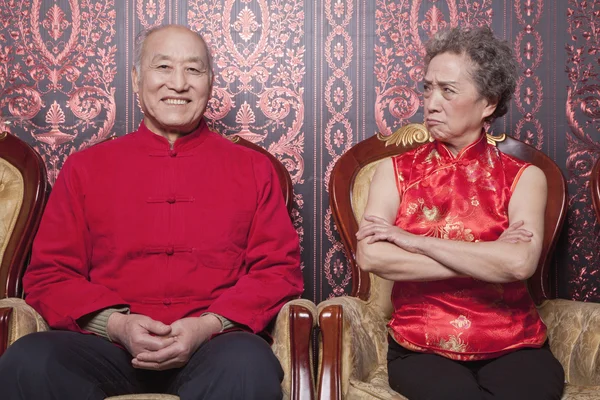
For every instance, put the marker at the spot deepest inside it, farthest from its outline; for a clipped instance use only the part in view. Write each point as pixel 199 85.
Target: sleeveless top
pixel 463 197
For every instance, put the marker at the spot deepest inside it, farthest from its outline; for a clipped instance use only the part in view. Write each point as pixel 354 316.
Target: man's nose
pixel 178 80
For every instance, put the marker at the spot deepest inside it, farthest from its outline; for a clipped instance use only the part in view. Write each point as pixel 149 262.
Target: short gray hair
pixel 494 66
pixel 140 41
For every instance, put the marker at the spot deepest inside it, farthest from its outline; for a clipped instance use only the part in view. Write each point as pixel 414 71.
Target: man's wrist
pixel 97 322
pixel 213 322
pixel 113 324
pixel 226 323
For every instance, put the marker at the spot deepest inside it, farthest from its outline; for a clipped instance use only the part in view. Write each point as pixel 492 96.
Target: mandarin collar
pixel 470 151
pixel 157 142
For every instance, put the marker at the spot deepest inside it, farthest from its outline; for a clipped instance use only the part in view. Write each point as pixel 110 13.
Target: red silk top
pixel 460 198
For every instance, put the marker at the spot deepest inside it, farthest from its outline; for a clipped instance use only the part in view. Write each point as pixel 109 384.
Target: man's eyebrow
pixel 195 59
pixel 164 57
pixel 160 57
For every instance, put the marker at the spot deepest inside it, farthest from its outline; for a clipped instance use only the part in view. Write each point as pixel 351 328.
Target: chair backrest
pixel 595 184
pixel 23 193
pixel 349 185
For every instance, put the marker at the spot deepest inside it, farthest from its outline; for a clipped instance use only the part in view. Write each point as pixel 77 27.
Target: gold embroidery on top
pixel 457 231
pixel 461 322
pixel 490 159
pixel 431 214
pixel 428 214
pixel 433 155
pixel 440 225
pixel 400 176
pixel 454 343
pixel 488 185
pixel 474 172
pixel 474 201
pixel 412 208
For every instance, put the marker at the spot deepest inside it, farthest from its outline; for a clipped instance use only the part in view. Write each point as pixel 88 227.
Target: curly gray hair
pixel 140 40
pixel 494 67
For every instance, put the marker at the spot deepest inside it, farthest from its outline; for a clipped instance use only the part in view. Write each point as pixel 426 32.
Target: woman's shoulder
pixel 409 156
pixel 512 165
pixel 518 170
pixel 510 159
pixel 533 172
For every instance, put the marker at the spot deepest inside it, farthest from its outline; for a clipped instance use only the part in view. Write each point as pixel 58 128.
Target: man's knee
pixel 47 353
pixel 33 353
pixel 236 365
pixel 245 353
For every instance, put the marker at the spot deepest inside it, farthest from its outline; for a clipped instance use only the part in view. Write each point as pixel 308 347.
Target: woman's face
pixel 454 110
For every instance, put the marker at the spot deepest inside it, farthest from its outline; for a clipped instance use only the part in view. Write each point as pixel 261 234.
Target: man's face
pixel 174 82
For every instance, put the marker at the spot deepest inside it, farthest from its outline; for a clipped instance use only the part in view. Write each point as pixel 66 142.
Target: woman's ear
pixel 489 108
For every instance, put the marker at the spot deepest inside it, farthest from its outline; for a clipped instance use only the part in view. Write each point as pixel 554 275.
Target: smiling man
pixel 173 78
pixel 161 256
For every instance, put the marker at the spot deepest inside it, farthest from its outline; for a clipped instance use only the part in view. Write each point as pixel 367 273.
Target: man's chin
pixel 179 126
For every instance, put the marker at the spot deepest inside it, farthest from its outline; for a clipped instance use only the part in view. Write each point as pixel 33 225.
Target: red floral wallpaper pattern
pixel 307 80
pixel 582 146
pixel 58 67
pixel 339 129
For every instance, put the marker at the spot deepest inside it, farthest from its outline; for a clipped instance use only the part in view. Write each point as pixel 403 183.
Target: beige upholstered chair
pixel 353 339
pixel 22 198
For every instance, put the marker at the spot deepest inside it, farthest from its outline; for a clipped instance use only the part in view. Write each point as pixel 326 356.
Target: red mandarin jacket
pixel 169 232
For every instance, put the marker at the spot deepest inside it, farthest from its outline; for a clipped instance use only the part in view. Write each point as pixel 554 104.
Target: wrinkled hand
pixel 138 333
pixel 515 233
pixel 187 335
pixel 379 230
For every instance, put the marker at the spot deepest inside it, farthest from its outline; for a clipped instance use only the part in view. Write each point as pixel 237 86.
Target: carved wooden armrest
pixel 353 339
pixel 292 344
pixel 17 319
pixel 574 334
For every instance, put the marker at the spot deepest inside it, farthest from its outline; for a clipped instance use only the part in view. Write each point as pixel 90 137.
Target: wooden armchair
pixel 353 338
pixel 23 194
pixel 22 198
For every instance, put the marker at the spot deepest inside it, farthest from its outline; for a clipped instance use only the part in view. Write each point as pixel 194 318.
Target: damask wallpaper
pixel 307 80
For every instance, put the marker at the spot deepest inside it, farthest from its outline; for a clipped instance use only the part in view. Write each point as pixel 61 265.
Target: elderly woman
pixel 458 226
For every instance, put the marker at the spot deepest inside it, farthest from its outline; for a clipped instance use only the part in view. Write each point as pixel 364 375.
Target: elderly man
pixel 161 254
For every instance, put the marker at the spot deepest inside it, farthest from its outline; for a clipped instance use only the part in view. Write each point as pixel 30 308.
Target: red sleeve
pixel 272 256
pixel 57 282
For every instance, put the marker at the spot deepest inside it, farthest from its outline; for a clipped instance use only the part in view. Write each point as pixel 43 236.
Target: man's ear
pixel 134 80
pixel 212 81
